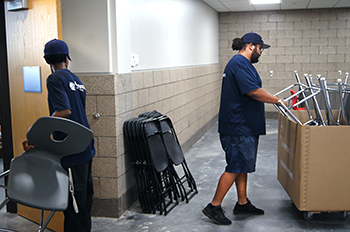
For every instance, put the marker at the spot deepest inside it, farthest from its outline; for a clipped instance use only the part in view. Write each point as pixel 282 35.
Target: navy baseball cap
pixel 56 47
pixel 254 38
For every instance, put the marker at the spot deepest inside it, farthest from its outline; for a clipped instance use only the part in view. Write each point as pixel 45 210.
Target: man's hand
pixel 281 101
pixel 26 145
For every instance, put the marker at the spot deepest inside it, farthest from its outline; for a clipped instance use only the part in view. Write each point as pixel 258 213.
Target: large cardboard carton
pixel 314 164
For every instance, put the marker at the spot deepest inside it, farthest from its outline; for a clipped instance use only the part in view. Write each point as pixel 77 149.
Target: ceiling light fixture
pixel 257 2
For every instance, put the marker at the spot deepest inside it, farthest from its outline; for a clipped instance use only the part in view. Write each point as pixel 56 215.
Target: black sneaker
pixel 216 214
pixel 248 208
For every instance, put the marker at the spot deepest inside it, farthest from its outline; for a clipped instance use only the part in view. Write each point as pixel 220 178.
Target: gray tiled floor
pixel 206 162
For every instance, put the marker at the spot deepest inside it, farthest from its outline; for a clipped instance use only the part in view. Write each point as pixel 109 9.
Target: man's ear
pixel 251 46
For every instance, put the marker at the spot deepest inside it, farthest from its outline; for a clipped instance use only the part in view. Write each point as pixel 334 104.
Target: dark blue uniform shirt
pixel 66 91
pixel 240 114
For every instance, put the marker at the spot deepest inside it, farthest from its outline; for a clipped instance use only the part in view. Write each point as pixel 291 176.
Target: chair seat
pixel 37 180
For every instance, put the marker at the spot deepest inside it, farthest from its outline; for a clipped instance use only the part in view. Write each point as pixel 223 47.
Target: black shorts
pixel 241 152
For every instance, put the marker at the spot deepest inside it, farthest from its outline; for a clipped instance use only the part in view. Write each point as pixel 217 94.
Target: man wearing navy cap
pixel 66 98
pixel 241 121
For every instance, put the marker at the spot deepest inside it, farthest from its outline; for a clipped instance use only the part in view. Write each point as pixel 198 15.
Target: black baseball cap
pixel 56 47
pixel 254 38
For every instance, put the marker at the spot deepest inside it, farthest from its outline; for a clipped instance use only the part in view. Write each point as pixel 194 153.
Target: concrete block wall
pixel 308 41
pixel 190 96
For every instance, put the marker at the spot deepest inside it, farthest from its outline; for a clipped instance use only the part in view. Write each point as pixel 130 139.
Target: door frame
pixel 5 108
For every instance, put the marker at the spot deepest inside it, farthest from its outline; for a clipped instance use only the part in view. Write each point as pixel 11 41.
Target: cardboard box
pixel 314 164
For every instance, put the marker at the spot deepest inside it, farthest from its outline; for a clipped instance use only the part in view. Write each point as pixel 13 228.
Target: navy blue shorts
pixel 241 152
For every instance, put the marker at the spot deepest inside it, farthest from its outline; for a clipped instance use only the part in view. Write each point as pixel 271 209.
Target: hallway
pixel 206 162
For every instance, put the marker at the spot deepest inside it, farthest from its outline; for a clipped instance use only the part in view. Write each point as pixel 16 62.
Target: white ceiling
pixel 244 5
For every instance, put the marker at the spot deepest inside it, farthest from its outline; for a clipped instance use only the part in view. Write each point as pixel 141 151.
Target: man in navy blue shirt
pixel 241 121
pixel 66 99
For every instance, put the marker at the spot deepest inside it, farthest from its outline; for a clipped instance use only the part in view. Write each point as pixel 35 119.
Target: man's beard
pixel 255 56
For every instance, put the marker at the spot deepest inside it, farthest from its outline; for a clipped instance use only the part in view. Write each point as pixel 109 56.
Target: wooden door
pixel 27 31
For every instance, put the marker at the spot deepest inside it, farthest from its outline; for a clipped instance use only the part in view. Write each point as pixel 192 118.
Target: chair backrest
pixel 40 135
pixel 171 145
pixel 155 145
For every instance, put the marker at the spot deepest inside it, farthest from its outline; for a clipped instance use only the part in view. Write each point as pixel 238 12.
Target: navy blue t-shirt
pixel 66 91
pixel 240 114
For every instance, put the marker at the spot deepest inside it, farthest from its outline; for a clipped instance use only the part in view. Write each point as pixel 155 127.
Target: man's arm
pixel 263 96
pixel 62 113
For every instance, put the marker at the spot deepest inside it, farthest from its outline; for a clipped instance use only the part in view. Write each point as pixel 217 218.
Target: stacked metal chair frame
pixel 307 95
pixel 151 141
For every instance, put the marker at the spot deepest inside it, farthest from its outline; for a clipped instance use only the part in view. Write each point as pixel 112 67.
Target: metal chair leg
pixel 43 227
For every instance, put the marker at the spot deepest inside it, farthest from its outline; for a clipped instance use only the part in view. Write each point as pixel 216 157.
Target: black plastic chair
pixel 36 177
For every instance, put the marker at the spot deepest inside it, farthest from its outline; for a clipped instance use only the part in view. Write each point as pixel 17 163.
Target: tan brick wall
pixel 309 41
pixel 189 96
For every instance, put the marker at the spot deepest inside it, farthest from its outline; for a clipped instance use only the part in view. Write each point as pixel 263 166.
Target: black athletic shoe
pixel 216 214
pixel 248 208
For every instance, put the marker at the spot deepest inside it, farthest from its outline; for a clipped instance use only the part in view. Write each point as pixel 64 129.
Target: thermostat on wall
pixel 134 60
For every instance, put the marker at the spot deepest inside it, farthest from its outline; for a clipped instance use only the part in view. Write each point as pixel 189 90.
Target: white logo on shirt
pixel 224 75
pixel 74 86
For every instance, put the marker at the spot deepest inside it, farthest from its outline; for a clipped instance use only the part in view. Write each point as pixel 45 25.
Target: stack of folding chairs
pixel 156 156
pixel 320 100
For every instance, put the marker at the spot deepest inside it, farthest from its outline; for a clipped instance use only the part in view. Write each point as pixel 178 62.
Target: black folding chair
pixel 151 141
